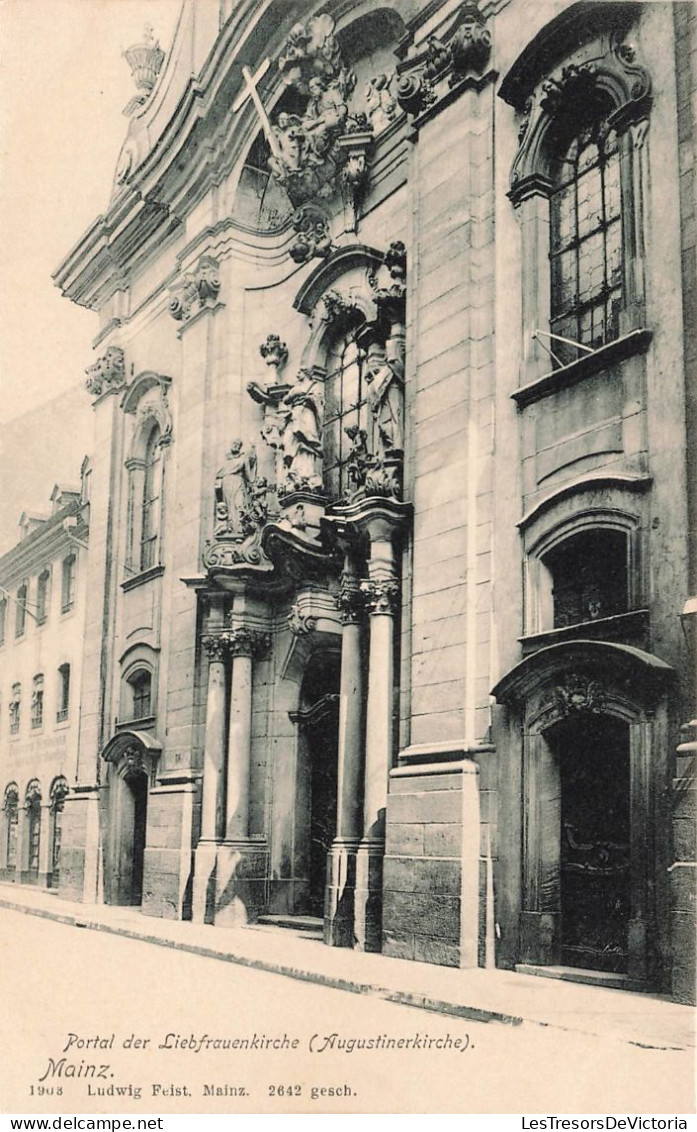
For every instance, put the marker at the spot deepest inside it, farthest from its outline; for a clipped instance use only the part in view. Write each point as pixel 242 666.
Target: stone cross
pixel 250 91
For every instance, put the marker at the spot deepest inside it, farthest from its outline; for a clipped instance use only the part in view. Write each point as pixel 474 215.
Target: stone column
pixel 212 802
pixel 381 593
pixel 341 865
pixel 243 644
pixel 241 862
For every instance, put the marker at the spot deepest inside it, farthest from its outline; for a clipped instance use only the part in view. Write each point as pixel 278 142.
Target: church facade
pixel 388 622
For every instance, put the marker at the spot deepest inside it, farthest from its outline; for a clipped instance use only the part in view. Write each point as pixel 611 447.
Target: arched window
pixel 150 525
pixel 42 595
pixel 63 693
pixel 33 808
pixel 585 238
pixel 11 814
pixel 59 790
pixel 589 575
pixel 140 682
pixel 69 571
pixel 15 708
pixel 3 618
pixel 37 701
pixel 345 408
pixel 21 609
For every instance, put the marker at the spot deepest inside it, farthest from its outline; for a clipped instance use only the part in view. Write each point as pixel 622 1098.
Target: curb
pixel 404 998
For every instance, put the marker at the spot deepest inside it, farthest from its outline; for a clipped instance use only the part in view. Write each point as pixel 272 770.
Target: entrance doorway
pixel 128 803
pixel 592 753
pixel 319 734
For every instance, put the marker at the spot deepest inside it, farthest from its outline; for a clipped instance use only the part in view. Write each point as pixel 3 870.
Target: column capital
pixel 215 646
pixel 350 600
pixel 243 641
pixel 381 595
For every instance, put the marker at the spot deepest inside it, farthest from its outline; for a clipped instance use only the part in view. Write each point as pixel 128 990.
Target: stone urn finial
pixel 145 60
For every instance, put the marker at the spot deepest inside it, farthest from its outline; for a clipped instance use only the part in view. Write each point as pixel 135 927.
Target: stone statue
pixel 324 118
pixel 384 377
pixel 301 412
pixel 234 490
pixel 382 108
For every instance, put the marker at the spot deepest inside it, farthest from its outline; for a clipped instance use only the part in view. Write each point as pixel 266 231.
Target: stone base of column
pixel 340 896
pixel 368 895
pixel 240 883
pixel 203 898
pixel 539 938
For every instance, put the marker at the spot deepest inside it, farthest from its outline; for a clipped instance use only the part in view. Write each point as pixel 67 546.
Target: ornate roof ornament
pixel 463 52
pixel 145 60
pixel 108 372
pixel 274 352
pixel 195 290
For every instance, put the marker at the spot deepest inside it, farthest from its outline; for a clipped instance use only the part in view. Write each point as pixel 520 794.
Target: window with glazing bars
pixel 68 583
pixel 586 242
pixel 151 502
pixel 344 406
pixel 37 702
pixel 63 693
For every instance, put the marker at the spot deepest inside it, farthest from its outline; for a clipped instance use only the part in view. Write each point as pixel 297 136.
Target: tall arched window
pixel 3 617
pixel 59 790
pixel 37 701
pixel 586 239
pixel 140 682
pixel 63 693
pixel 345 408
pixel 33 808
pixel 21 609
pixel 68 576
pixel 42 594
pixel 15 707
pixel 150 526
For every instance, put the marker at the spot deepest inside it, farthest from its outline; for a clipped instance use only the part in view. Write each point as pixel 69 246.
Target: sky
pixel 63 86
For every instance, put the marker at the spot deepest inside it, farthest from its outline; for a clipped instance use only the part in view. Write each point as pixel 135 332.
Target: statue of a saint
pixel 301 412
pixel 234 489
pixel 323 119
pixel 384 377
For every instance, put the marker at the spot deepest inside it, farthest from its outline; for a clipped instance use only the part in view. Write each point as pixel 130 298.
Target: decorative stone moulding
pixel 613 75
pixel 241 640
pixel 579 694
pixel 196 290
pixel 145 60
pixel 300 621
pixel 311 225
pixel 462 52
pixel 274 352
pixel 108 372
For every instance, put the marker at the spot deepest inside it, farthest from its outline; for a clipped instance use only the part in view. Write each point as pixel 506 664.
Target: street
pixel 95 1023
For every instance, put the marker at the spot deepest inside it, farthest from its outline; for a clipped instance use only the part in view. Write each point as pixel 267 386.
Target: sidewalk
pixel 482 995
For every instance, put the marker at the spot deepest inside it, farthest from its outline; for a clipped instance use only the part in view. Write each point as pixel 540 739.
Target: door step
pixel 310 927
pixel 607 979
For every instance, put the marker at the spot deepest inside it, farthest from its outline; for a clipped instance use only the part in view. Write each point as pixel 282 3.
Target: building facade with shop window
pixel 42 605
pixel 389 622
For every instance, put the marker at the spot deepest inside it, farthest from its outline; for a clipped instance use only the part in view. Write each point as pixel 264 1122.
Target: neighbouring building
pixel 42 606
pixel 389 616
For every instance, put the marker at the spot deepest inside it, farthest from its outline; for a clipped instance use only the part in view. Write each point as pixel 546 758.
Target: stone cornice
pixel 188 159
pixel 41 547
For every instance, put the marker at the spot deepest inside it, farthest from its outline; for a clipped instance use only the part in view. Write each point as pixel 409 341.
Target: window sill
pixel 144 723
pixel 142 578
pixel 636 342
pixel 621 627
